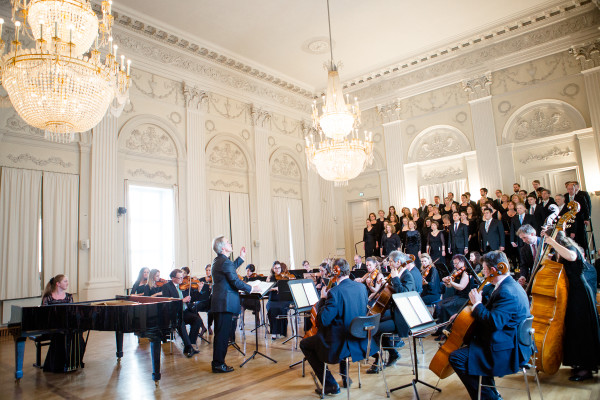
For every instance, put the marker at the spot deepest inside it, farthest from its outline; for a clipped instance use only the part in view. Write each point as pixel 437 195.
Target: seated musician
pixel 494 349
pixel 416 274
pixel 65 352
pixel 458 285
pixel 323 274
pixel 332 343
pixel 152 289
pixel 208 279
pixel 391 320
pixel 431 284
pixel 191 318
pixel 276 307
pixel 372 278
pixel 250 304
pixel 528 252
pixel 141 281
pixel 306 266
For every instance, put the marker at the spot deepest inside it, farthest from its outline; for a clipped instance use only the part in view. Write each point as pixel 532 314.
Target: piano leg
pixel 119 336
pixel 19 353
pixel 155 353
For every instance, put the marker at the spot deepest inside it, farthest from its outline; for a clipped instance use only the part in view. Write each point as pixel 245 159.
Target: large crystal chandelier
pixel 61 85
pixel 337 154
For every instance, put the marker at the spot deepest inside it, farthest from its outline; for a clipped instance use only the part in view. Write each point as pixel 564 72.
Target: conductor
pixel 225 301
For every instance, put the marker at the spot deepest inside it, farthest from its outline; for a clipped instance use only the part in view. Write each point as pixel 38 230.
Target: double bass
pixel 335 273
pixel 461 330
pixel 549 291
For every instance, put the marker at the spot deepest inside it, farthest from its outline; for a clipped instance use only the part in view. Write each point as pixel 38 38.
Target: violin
pixel 373 275
pixel 457 273
pixel 161 282
pixel 189 281
pixel 255 275
pixel 284 276
pixel 426 272
pixel 313 312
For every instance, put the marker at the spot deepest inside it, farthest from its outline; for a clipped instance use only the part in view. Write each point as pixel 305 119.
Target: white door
pixel 359 212
pixel 553 179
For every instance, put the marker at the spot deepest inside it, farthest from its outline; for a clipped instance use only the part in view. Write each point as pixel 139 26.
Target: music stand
pixel 305 296
pixel 358 273
pixel 420 324
pixel 256 296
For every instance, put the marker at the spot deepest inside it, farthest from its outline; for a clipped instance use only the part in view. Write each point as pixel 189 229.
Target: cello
pixel 385 293
pixel 461 331
pixel 549 291
pixel 314 311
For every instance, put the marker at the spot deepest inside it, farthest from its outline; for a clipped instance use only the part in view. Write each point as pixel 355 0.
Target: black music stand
pixel 421 324
pixel 358 273
pixel 304 295
pixel 255 296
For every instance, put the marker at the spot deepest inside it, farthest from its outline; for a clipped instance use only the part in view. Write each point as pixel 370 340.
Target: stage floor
pixel 104 378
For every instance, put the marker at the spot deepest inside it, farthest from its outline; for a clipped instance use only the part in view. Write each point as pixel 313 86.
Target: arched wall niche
pixel 228 164
pixel 542 118
pixel 438 141
pixel 150 136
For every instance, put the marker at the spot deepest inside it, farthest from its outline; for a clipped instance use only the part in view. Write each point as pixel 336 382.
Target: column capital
pixel 194 97
pixel 478 87
pixel 260 117
pixel 588 54
pixel 389 112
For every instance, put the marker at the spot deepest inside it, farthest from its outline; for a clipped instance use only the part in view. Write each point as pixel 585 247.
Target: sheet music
pixel 311 293
pixel 300 296
pixel 264 287
pixel 421 310
pixel 408 312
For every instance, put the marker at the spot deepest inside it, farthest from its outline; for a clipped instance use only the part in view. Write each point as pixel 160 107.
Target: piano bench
pixel 40 341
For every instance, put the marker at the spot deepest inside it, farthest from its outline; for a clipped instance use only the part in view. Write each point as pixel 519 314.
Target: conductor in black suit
pixel 190 317
pixel 225 301
pixel 491 233
pixel 529 252
pixel 459 236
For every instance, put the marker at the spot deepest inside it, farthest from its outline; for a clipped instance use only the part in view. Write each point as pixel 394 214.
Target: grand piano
pixel 150 317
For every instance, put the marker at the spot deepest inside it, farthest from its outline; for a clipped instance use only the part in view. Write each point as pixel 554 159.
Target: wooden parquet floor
pixel 182 378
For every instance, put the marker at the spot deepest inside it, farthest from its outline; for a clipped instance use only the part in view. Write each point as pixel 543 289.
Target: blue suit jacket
pixel 344 302
pixel 226 284
pixel 495 349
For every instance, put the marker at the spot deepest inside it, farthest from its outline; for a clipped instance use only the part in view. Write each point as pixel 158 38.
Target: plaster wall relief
pixel 155 87
pixel 151 141
pixel 148 171
pixel 230 109
pixel 21 154
pixel 227 165
pixel 534 72
pixel 540 119
pixel 443 173
pixel 547 156
pixel 286 174
pixel 284 166
pixel 14 123
pixel 226 155
pixel 438 141
pixel 227 181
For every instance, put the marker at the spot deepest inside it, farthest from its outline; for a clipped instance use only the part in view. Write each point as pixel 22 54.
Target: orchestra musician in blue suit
pixel 333 343
pixel 495 349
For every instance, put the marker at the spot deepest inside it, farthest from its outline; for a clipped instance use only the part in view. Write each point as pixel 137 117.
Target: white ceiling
pixel 368 35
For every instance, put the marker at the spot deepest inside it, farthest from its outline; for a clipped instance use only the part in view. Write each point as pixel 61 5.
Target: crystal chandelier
pixel 61 85
pixel 339 154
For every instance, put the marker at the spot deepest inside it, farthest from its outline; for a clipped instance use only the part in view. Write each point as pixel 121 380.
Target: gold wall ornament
pixel 61 85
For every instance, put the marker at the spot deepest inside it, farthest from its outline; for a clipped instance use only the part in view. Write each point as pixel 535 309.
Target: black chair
pixel 525 334
pixel 360 328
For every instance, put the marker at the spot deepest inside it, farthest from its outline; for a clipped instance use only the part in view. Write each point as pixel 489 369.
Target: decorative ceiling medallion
pixel 317 45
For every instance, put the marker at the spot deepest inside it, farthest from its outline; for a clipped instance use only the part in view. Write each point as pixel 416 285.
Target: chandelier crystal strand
pixel 61 86
pixel 338 155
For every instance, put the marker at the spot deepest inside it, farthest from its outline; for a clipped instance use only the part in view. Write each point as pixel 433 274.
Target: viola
pixel 335 273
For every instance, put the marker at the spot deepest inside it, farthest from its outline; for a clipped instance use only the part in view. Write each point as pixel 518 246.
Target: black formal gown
pixel 390 244
pixel 425 231
pixel 473 234
pixel 436 243
pixel 277 308
pixel 370 239
pixel 65 352
pixel 450 305
pixel 511 252
pixel 412 245
pixel 581 342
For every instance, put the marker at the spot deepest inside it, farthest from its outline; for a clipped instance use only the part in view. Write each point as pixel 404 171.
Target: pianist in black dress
pixel 141 281
pixel 66 350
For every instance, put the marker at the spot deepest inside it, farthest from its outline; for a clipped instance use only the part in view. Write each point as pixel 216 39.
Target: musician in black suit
pixel 562 210
pixel 546 201
pixel 423 210
pixel 358 264
pixel 458 236
pixel 484 195
pixel 519 219
pixel 225 302
pixel 529 252
pixel 495 349
pixel 491 232
pixel 536 211
pixel 191 318
pixel 536 185
pixel 333 343
pixel 392 321
pixel 582 218
pixel 497 203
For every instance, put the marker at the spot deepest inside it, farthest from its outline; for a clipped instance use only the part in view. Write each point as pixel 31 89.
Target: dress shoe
pixel 392 360
pixel 188 352
pixel 329 390
pixel 223 368
pixel 344 385
pixel 374 369
pixel 581 377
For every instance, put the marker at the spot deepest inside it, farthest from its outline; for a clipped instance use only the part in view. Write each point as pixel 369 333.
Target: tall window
pixel 151 213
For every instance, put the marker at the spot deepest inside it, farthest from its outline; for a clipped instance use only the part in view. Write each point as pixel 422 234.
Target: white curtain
pixel 20 192
pixel 60 209
pixel 226 205
pixel 240 224
pixel 457 187
pixel 288 247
